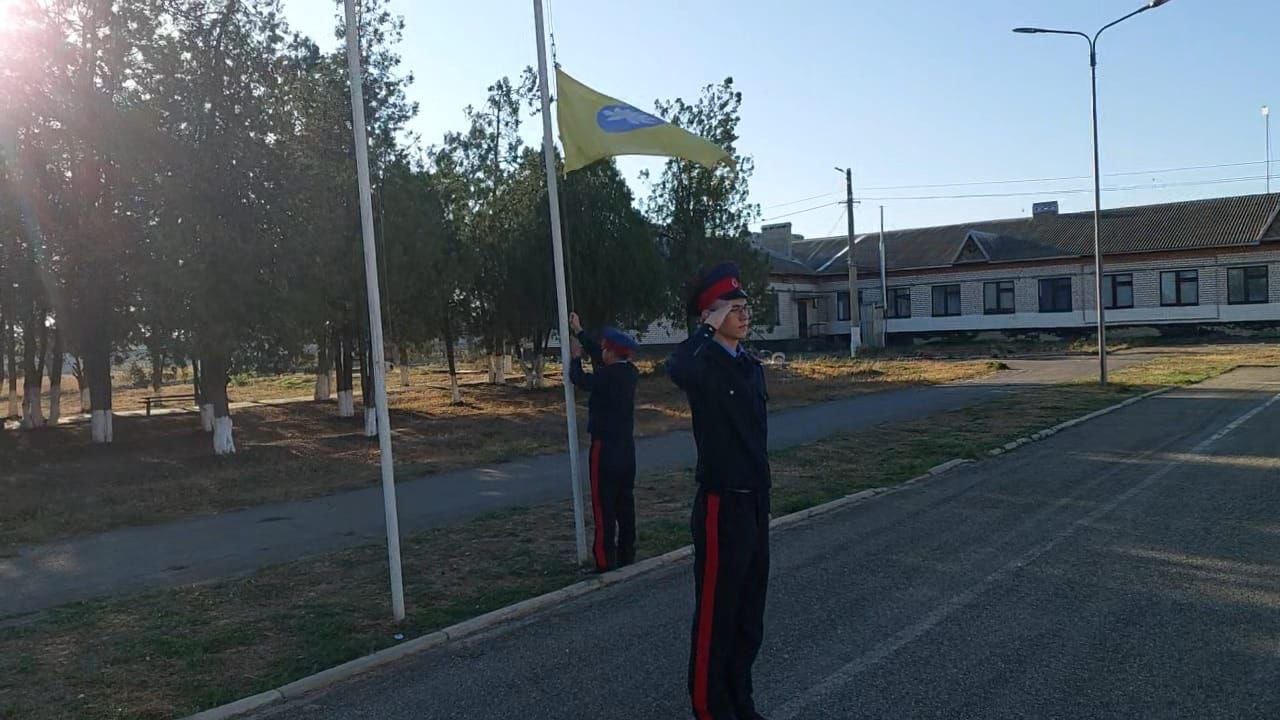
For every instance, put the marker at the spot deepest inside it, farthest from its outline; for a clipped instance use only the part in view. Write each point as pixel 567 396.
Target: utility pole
pixel 884 289
pixel 855 311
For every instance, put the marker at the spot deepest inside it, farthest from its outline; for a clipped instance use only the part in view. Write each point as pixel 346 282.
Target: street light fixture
pixel 1097 178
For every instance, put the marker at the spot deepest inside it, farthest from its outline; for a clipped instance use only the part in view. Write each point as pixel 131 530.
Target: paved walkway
pixel 1126 568
pixel 206 548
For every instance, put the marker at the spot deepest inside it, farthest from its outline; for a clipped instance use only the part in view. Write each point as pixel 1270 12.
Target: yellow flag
pixel 595 126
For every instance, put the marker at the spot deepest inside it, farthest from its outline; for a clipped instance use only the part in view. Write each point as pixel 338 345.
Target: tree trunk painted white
pixel 206 417
pixel 55 402
pixel 370 422
pixel 346 403
pixel 533 372
pixel 223 444
pixel 322 387
pixel 100 426
pixel 404 375
pixel 455 391
pixel 85 406
pixel 32 411
pixel 97 372
pixel 495 378
pixel 507 365
pixel 13 403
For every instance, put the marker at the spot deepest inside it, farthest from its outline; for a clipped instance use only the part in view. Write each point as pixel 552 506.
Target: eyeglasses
pixel 742 311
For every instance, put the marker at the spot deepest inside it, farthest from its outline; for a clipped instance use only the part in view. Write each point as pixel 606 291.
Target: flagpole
pixel 557 242
pixel 375 313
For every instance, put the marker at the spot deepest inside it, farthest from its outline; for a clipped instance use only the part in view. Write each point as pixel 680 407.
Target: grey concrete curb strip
pixel 239 706
pixel 525 608
pixel 939 469
pixel 1049 432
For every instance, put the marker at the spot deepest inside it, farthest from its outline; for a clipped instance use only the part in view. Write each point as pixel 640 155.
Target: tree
pixel 426 269
pixel 474 167
pixel 218 83
pixel 79 137
pixel 615 267
pixel 703 215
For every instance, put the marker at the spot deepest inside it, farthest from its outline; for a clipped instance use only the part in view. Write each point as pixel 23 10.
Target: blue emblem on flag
pixel 625 118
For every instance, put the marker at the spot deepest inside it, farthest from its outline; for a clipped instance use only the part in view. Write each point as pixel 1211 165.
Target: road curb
pixel 525 608
pixel 1050 432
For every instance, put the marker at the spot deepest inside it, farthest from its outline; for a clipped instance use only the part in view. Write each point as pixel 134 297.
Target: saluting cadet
pixel 725 386
pixel 611 422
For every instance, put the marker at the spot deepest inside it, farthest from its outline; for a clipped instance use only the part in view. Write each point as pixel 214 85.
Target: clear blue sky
pixel 908 93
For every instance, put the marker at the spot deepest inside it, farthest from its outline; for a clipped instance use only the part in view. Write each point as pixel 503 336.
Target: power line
pixel 800 212
pixel 843 209
pixel 1185 168
pixel 797 202
pixel 1031 194
pixel 1070 191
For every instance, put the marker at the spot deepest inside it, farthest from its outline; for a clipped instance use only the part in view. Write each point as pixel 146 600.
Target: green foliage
pixel 703 215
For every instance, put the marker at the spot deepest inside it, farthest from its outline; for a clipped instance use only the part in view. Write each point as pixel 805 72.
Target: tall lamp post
pixel 1097 178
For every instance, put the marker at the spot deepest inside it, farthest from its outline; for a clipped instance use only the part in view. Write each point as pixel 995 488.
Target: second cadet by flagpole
pixel 594 126
pixel 557 242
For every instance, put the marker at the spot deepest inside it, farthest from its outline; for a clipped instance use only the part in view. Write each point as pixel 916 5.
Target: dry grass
pixel 173 652
pixel 1195 365
pixel 56 484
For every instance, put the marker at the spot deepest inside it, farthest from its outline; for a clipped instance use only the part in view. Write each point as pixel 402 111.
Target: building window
pixel 1055 295
pixel 1247 285
pixel 842 306
pixel 1117 291
pixel 1180 287
pixel 946 300
pixel 899 303
pixel 997 297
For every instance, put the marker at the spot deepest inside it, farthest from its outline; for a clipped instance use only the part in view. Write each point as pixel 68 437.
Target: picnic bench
pixel 162 399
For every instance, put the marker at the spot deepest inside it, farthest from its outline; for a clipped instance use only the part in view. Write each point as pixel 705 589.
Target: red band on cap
pixel 616 349
pixel 713 293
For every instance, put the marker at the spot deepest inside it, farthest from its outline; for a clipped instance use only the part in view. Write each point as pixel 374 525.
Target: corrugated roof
pixel 1190 225
pixel 787 266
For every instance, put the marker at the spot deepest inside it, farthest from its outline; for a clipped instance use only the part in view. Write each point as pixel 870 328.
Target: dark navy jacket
pixel 611 408
pixel 729 402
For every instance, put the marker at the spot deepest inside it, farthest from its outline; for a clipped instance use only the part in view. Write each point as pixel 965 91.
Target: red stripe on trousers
pixel 706 613
pixel 602 562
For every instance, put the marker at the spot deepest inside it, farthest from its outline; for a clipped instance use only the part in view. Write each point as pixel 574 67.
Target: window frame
pixel 946 300
pixel 1001 288
pixel 1244 270
pixel 895 296
pixel 844 311
pixel 1060 280
pixel 1110 299
pixel 1178 283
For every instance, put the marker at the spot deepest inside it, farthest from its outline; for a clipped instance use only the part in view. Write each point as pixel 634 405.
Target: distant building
pixel 1213 263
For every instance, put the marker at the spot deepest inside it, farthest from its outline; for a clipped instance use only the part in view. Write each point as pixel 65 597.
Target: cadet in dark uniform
pixel 611 422
pixel 730 522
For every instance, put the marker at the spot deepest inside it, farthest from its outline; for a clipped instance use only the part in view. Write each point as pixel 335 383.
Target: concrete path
pixel 1126 568
pixel 206 548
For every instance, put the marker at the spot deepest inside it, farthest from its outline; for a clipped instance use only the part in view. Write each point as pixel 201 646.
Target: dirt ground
pixel 55 483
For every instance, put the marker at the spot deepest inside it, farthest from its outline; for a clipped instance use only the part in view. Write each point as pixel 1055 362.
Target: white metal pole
pixel 375 314
pixel 557 243
pixel 884 288
pixel 1266 121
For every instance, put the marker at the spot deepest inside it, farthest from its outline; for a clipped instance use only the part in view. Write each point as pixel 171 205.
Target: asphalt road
pixel 205 548
pixel 1126 568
